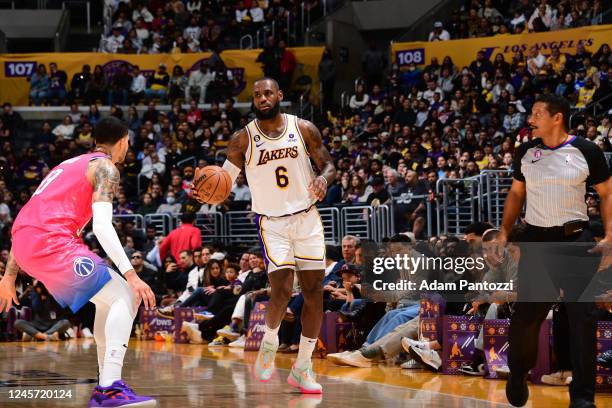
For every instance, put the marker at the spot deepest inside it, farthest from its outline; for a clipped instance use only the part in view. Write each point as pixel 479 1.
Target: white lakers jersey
pixel 278 170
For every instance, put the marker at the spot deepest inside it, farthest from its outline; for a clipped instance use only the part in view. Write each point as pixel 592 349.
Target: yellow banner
pixel 463 52
pixel 15 69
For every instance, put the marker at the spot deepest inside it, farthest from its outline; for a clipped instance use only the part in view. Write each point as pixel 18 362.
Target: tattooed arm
pixel 105 180
pixel 104 177
pixel 237 147
pixel 320 155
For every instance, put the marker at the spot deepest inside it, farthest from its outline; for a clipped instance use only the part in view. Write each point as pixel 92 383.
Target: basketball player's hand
pixel 8 294
pixel 194 193
pixel 142 291
pixel 318 188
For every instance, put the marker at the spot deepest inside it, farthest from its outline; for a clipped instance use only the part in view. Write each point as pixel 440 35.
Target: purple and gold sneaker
pixel 118 394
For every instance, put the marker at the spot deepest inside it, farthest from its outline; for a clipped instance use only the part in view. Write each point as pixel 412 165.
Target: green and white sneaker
pixel 303 379
pixel 264 365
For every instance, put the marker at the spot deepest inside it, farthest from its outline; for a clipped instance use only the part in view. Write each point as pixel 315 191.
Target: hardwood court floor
pixel 183 375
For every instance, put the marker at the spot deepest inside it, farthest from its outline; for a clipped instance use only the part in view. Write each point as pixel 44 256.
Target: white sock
pixel 113 363
pixel 271 336
pixel 307 346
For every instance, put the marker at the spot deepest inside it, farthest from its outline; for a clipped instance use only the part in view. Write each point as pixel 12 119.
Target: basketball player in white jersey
pixel 276 149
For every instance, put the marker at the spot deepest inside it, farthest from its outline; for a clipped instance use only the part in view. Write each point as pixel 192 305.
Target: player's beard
pixel 270 114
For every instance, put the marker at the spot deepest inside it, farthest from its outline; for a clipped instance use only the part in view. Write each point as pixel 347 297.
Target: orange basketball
pixel 212 184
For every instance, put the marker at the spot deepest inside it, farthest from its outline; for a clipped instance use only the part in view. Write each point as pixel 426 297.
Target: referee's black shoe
pixel 517 391
pixel 582 404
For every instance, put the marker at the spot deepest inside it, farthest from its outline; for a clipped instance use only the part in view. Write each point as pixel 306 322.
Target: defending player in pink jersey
pixel 47 245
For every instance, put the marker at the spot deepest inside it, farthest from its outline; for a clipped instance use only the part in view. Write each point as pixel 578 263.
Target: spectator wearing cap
pixel 351 291
pixel 379 194
pixel 158 85
pixel 337 149
pixel 439 33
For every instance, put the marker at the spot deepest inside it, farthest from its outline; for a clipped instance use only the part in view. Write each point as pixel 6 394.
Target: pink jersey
pixel 62 202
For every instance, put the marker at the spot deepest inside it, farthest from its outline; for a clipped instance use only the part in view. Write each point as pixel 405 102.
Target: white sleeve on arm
pixel 232 169
pixel 107 236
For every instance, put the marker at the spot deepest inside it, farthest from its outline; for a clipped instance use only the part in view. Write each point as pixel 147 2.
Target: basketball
pixel 212 184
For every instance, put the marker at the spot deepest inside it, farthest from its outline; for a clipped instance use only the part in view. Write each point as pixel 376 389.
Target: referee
pixel 552 172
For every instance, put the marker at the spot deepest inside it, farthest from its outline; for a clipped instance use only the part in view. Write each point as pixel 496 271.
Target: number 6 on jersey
pixel 281 177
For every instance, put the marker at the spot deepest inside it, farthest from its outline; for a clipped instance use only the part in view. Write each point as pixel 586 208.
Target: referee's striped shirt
pixel 556 179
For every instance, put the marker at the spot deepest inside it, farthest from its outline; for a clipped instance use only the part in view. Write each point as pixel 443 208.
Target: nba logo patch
pixel 537 154
pixel 83 266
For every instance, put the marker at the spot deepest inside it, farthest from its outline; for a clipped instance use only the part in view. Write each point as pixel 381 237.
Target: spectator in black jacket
pixel 481 64
pixel 47 324
pixel 79 83
pixel 118 91
pixel 148 274
pixel 12 120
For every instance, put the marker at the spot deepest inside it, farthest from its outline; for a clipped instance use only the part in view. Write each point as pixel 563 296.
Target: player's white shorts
pixel 293 242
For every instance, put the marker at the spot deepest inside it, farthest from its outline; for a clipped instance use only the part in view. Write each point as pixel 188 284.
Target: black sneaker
pixel 580 403
pixel 517 391
pixel 473 369
pixel 476 366
pixel 605 359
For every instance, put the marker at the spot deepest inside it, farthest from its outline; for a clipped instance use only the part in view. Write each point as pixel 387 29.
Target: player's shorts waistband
pixel 305 210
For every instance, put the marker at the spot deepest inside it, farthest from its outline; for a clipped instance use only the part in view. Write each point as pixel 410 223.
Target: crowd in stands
pixel 210 81
pixel 154 26
pixel 485 18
